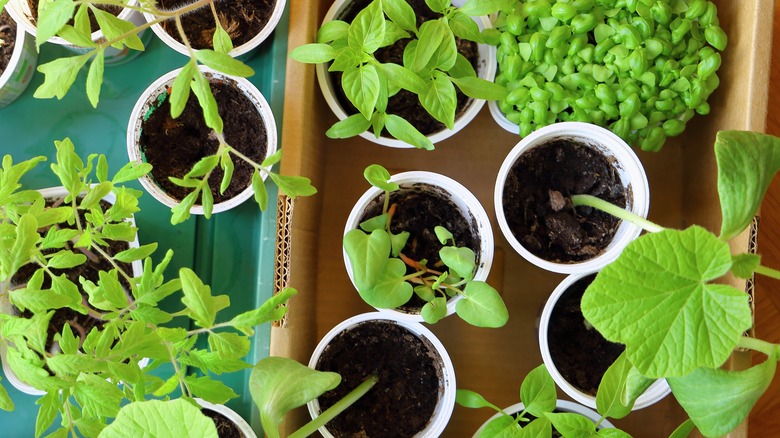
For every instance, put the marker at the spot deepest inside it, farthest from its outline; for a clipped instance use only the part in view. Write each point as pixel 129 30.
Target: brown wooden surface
pixel 764 420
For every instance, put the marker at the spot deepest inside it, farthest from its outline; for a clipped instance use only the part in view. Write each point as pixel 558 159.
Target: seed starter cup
pixel 231 415
pixel 20 69
pixel 564 406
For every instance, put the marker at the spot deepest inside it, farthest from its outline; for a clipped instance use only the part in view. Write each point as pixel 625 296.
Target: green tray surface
pixel 234 251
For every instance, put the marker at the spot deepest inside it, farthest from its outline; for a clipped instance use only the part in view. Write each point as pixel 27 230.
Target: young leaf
pixel 379 177
pixel 95 194
pixel 202 305
pixel 130 172
pixel 95 78
pixel 97 396
pixel 361 85
pixel 351 126
pixel 614 433
pixel 744 265
pixel 258 187
pixel 683 430
pixel 375 223
pixel 59 75
pixel 181 212
pixel 226 163
pixel 331 31
pixel 221 41
pixel 718 400
pixel 293 185
pixel 479 88
pixel 348 58
pixel 76 37
pixel 424 292
pixel 47 412
pixel 505 426
pixel 438 5
pixel 133 254
pixel 440 99
pixel 180 89
pixel 660 283
pixel 486 7
pixel 269 311
pixel 66 260
pixel 202 89
pixel 443 235
pixel 52 15
pixel 26 238
pixel 368 255
pixel 465 28
pixel 537 392
pixel 612 399
pixel 431 34
pixel 572 425
pixel 446 54
pixel 367 30
pixel 207 201
pixel 747 161
pixel 114 27
pixel 538 428
pixel 403 78
pixel 398 242
pixel 482 306
pixel 178 418
pixel 393 33
pixel 279 385
pixel 203 167
pixel 434 310
pixel 401 13
pixel 473 400
pixel 229 345
pixel 404 131
pixel 6 403
pixel 459 260
pixel 390 289
pixel 224 63
pixel 209 389
pixel 314 53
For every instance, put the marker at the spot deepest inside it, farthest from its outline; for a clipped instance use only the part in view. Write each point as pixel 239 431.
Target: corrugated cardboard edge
pixel 283 243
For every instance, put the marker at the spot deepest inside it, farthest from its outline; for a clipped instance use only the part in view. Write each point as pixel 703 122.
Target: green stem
pixel 185 390
pixel 759 345
pixel 349 399
pixel 768 272
pixel 614 210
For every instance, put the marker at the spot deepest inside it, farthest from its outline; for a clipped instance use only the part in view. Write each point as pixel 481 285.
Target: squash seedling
pixel 379 268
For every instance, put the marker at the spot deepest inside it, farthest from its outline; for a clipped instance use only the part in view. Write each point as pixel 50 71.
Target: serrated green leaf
pixel 133 254
pixel 124 232
pixel 73 364
pixel 175 418
pixel 314 53
pixel 207 201
pixel 368 255
pixel 460 260
pixel 150 314
pixel 209 389
pixel 224 63
pixel 293 186
pixel 572 425
pixel 180 89
pixel 181 212
pixel 67 341
pixel 401 14
pixel 434 310
pixel 351 126
pixel 52 16
pixel 404 131
pixel 361 86
pixel 661 284
pixel 97 396
pixel 95 194
pixel 211 361
pixel 200 86
pixel 95 78
pixel 168 387
pixel 203 166
pixel 482 306
pixel 47 412
pixel 279 385
pixel 202 305
pixel 66 260
pixel 6 403
pixel 62 286
pixel 114 27
pixel 76 37
pixel 268 311
pixel 40 300
pixel 89 426
pixel 51 216
pixel 229 345
pixel 221 41
pixel 440 100
pixel 390 289
pixel 126 372
pixel 24 246
pixel 59 75
pixel 537 392
pixel 367 30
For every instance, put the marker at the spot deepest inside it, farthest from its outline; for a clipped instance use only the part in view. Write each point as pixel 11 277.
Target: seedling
pixel 662 300
pixel 379 269
pixel 89 374
pixel 431 69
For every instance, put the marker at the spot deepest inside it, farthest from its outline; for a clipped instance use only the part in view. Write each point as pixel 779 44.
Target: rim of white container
pixel 560 405
pixel 485 70
pixel 238 51
pixel 657 391
pixel 446 403
pixel 19 48
pixel 466 202
pixel 149 97
pixel 231 415
pixel 628 167
pixel 501 119
pixel 5 305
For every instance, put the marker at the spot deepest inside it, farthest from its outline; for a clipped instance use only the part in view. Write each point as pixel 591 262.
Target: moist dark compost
pixel 537 201
pixel 93 24
pixel 405 103
pixel 403 400
pixel 174 146
pixel 8 37
pixel 225 427
pixel 419 209
pixel 578 350
pixel 241 19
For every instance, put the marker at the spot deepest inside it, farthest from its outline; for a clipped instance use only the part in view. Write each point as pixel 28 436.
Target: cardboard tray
pixel 492 362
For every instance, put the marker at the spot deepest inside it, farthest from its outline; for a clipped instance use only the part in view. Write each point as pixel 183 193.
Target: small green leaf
pixel 404 131
pixel 202 89
pixel 465 28
pixel 486 7
pixel 401 14
pixel 66 260
pixel 347 58
pixel 398 242
pixel 97 396
pixel 331 31
pixel 390 289
pixel 367 30
pixel 482 306
pixel 203 167
pixel 425 292
pixel 537 392
pixel 744 265
pixel 180 89
pixel 59 75
pixel 181 212
pixel 374 223
pixel 437 5
pixel 52 15
pixel 131 172
pixel 207 201
pixel 361 85
pixel 434 310
pixel 229 345
pixel 224 63
pixel 479 88
pixel 440 100
pixel 168 387
pixel 6 403
pixel 462 68
pixel 174 418
pixel 613 433
pixel 505 426
pixel 260 193
pixel 379 177
pixel 95 78
pixel 279 385
pixel 460 260
pixel 209 389
pixel 47 412
pixel 683 430
pixel 314 53
pixel 446 55
pixel 77 38
pixel 221 41
pixel 443 234
pixel 133 254
pixel 293 185
pixel 368 255
pixel 351 126
pixel 269 311
pixel 404 78
pixel 226 163
pixel 272 159
pixel 393 33
pixel 612 398
pixel 431 34
pixel 114 27
pixel 473 400
pixel 95 195
pixel 572 425
pixel 202 305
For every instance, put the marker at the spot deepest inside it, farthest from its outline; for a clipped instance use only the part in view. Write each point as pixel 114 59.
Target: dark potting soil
pixel 241 19
pixel 174 146
pixel 113 9
pixel 419 209
pixel 8 38
pixel 225 427
pixel 578 350
pixel 405 397
pixel 405 103
pixel 81 324
pixel 538 207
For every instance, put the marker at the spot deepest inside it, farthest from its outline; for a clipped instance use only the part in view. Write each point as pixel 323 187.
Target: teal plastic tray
pixel 234 251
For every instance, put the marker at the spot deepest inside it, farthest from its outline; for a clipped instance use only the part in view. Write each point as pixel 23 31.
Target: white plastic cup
pixel 21 13
pixel 20 69
pixel 149 98
pixel 619 154
pixel 469 207
pixel 244 51
pixel 563 406
pixel 7 308
pixel 486 69
pixel 447 388
pixel 657 391
pixel 231 415
pixel 501 119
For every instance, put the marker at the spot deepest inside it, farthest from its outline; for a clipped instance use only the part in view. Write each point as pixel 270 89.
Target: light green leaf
pixel 95 78
pixel 95 195
pixel 272 159
pixel 398 242
pixel 683 430
pixel 446 54
pixel 6 403
pixel 482 306
pixel 486 7
pixel 572 425
pixel 443 235
pixel 52 15
pixel 747 161
pixel 462 68
pixel 379 177
pixel 473 400
pixel 404 131
pixel 202 89
pixel 361 85
pixel 52 216
pixel 181 212
pixel 210 361
pixel 348 58
pixel 260 193
pixel 133 254
pixel 404 78
pixel 374 223
pixel 97 396
pixel 122 231
pixel 207 201
pixel 479 88
pixel 77 38
pixel 460 260
pixel 110 294
pixel 279 385
pixel 368 254
pixel 268 311
pixel 209 389
pixel 59 75
pixel 221 41
pixel 72 364
pixel 293 185
pixel 226 163
pixel 440 100
pixel 62 286
pixel 437 5
pixel 41 300
pixel 393 33
pixel 613 399
pixel 401 14
pixel 24 246
pixel 168 387
pixel 114 27
pixel 175 418
pixel 538 428
pixel 744 265
pixel 223 62
pixel 503 427
pixel 203 166
pixel 537 392
pixel 331 31
pixel 424 292
pixel 47 412
pixel 431 34
pixel 612 433
pixel 89 426
pixel 314 53
pixel 202 305
pixel 660 283
pixel 180 89
pixel 390 289
pixel 717 400
pixel 229 345
pixel 131 172
pixel 465 28
pixel 367 29
pixel 66 260
pixel 434 310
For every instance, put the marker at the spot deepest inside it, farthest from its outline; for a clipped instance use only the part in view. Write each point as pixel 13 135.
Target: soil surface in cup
pixel 93 23
pixel 529 418
pixel 402 401
pixel 419 209
pixel 174 146
pixel 241 19
pixel 537 201
pixel 225 427
pixel 8 37
pixel 405 103
pixel 80 324
pixel 578 350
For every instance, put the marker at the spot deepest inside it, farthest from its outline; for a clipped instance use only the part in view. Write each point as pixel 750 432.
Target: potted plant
pixel 641 69
pixel 681 324
pixel 402 69
pixel 532 196
pixel 206 166
pixel 575 354
pixel 87 374
pixel 400 256
pixel 17 59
